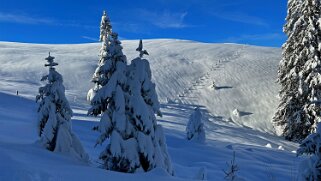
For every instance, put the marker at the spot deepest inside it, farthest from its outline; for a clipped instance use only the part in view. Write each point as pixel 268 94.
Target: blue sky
pixel 255 22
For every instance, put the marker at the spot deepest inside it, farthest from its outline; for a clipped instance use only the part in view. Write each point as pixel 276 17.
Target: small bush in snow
pixel 231 171
pixel 201 174
pixel 54 114
pixel 195 127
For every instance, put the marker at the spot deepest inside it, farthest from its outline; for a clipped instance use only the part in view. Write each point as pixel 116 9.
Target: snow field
pixel 184 72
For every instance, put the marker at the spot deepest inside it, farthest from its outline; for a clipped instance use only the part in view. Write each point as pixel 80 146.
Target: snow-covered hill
pixel 184 72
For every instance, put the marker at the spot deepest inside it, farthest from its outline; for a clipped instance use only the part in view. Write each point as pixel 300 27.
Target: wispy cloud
pixel 90 38
pixel 24 19
pixel 241 18
pixel 33 20
pixel 164 19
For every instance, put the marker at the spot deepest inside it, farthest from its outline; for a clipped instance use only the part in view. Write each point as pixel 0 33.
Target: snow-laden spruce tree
pixel 310 169
pixel 109 102
pixel 108 99
pixel 195 127
pixel 293 14
pixel 99 78
pixel 299 73
pixel 54 114
pixel 105 27
pixel 143 104
pixel 128 103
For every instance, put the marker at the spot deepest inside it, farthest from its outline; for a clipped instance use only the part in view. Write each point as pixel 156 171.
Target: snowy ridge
pixel 184 72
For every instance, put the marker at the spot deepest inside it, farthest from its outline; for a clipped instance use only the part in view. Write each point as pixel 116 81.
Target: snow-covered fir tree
pixel 54 114
pixel 109 102
pixel 105 27
pixel 299 72
pixel 310 169
pixel 195 127
pixel 293 14
pixel 99 77
pixel 127 101
pixel 142 106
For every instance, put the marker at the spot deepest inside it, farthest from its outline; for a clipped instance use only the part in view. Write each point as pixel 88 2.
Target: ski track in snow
pixel 183 72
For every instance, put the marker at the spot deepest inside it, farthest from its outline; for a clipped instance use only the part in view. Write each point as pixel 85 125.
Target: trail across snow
pixel 183 72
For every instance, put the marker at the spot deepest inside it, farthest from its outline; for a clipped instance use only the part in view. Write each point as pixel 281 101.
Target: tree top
pixel 50 60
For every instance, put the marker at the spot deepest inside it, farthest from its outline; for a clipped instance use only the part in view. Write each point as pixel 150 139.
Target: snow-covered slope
pixel 183 72
pixel 259 156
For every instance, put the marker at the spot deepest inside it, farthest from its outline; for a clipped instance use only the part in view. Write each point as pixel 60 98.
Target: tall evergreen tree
pixel 54 114
pixel 142 107
pixel 127 101
pixel 99 77
pixel 109 101
pixel 293 14
pixel 299 72
pixel 105 27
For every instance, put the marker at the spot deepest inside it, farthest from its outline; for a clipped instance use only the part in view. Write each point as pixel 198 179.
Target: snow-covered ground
pixel 184 72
